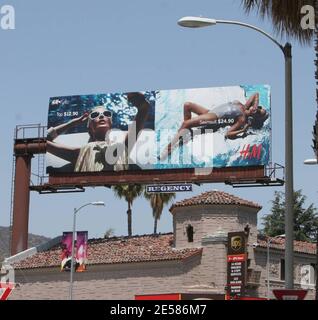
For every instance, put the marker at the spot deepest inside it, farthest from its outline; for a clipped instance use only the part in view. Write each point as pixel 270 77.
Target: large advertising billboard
pixel 157 130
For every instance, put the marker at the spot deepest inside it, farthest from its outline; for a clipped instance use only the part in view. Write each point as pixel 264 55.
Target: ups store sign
pixel 236 243
pixel 236 264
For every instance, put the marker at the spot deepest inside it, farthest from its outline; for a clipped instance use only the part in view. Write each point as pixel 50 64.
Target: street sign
pixel 168 188
pixel 5 290
pixel 284 294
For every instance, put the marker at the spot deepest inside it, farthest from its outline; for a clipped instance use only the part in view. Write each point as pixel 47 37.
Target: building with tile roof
pixel 116 250
pixel 191 261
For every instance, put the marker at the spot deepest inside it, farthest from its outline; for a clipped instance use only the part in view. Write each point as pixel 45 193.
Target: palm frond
pixel 128 192
pixel 285 16
pixel 158 201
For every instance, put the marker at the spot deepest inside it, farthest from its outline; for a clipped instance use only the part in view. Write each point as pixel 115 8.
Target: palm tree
pixel 286 18
pixel 129 193
pixel 157 202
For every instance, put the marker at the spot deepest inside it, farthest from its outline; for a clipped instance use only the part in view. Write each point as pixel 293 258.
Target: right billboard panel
pixel 158 130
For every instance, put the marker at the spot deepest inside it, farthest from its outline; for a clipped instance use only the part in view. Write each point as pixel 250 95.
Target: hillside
pixel 34 240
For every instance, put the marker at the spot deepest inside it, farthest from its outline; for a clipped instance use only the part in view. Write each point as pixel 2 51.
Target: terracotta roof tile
pixel 116 250
pixel 279 244
pixel 215 198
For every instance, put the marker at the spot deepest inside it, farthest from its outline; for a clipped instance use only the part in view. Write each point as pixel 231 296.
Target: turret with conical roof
pixel 211 214
pixel 204 221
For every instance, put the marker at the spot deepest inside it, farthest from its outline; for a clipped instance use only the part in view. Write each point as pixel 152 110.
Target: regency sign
pixel 169 188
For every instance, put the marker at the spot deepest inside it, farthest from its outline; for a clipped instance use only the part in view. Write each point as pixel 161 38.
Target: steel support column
pixel 21 200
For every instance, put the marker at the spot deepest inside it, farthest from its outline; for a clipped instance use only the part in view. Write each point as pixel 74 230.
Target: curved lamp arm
pixel 199 22
pixel 254 28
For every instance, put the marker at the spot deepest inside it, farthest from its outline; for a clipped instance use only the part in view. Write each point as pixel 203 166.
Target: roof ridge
pixel 215 197
pixel 114 238
pixel 279 244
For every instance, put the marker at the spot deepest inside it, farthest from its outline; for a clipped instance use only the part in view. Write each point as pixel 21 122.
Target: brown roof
pixel 279 244
pixel 215 198
pixel 116 250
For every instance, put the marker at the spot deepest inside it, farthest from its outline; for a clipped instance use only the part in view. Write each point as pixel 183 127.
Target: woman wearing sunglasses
pixel 91 157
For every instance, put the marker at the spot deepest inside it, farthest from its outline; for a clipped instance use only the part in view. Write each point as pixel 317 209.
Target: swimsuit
pixel 230 110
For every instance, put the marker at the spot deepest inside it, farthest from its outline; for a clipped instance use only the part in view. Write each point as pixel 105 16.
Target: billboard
pixel 159 130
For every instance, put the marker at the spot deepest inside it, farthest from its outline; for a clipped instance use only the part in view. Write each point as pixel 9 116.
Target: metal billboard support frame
pixel 26 147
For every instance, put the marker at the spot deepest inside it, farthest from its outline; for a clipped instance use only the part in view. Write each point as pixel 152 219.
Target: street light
pixel 197 22
pixel 311 161
pixel 315 162
pixel 269 240
pixel 95 203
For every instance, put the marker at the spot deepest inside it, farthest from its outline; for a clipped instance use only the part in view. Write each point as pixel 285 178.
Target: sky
pixel 84 47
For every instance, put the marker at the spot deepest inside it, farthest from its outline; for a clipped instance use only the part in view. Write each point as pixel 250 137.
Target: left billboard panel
pixel 88 133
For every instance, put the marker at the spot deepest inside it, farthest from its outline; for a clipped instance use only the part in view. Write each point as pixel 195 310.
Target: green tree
pixel 129 193
pixel 157 203
pixel 305 219
pixel 109 233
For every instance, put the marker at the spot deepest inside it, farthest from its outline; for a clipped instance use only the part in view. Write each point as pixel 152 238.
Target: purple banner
pixel 66 251
pixel 81 251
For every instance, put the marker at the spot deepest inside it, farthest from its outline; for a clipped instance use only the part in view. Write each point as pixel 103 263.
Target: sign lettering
pixel 169 188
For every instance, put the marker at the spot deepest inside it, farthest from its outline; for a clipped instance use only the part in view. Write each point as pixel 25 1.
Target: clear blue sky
pixel 85 47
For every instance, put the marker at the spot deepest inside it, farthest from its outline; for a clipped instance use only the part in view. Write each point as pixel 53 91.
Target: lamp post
pixel 96 203
pixel 314 162
pixel 268 261
pixel 311 162
pixel 198 22
pixel 316 289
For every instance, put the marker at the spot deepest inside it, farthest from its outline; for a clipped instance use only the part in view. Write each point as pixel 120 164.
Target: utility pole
pixel 316 269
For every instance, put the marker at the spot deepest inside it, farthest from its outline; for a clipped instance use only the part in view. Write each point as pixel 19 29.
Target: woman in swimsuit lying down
pixel 239 116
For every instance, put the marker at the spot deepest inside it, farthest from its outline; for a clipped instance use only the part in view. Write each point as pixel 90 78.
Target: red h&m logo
pixel 251 152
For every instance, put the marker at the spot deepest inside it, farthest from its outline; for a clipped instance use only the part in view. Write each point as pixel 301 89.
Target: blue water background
pixel 123 112
pixel 169 115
